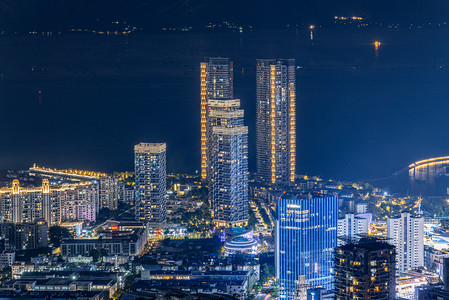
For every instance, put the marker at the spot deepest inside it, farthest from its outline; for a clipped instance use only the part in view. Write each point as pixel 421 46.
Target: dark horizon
pixel 152 15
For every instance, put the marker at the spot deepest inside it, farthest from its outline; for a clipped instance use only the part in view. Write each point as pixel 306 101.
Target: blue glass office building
pixel 306 234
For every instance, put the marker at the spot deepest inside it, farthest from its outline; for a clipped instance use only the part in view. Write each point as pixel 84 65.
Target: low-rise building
pixel 226 282
pixel 18 269
pixel 119 238
pixel 434 259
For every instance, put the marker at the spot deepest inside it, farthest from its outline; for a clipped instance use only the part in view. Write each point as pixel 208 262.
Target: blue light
pixel 306 233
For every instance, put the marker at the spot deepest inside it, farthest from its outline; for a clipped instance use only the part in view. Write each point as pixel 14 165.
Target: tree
pixel 104 214
pixel 275 292
pixel 267 272
pixel 98 254
pixel 57 233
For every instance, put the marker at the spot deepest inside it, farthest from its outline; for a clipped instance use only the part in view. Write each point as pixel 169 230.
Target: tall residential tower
pixel 406 232
pixel 365 270
pixel 276 120
pixel 216 83
pixel 228 162
pixel 150 181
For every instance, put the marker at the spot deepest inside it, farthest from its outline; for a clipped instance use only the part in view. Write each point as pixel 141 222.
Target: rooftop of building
pixel 370 244
pixel 198 273
pixel 167 284
pixel 405 212
pixel 150 147
pixel 5 295
pixel 301 196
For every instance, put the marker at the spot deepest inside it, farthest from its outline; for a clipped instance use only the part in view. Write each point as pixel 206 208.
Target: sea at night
pixel 82 100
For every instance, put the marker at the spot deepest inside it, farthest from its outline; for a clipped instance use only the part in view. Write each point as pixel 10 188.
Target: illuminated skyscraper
pixel 228 163
pixel 406 232
pixel 306 234
pixel 150 181
pixel 276 120
pixel 216 83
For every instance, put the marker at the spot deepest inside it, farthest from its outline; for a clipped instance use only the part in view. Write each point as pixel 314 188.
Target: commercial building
pixel 228 162
pixel 408 283
pixel 150 182
pixel 92 295
pixel 306 234
pixel 226 282
pixel 319 294
pixel 365 270
pixel 276 120
pixel 65 281
pixel 406 233
pixel 435 260
pixel 119 238
pixel 240 240
pixel 216 83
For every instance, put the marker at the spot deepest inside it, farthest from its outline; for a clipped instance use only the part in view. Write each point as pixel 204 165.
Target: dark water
pixel 360 115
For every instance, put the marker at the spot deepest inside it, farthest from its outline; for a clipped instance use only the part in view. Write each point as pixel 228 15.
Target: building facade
pixel 53 204
pixel 216 83
pixel 129 242
pixel 228 163
pixel 276 120
pixel 306 234
pixel 365 270
pixel 352 225
pixel 150 182
pixel 109 192
pixel 24 236
pixel 406 232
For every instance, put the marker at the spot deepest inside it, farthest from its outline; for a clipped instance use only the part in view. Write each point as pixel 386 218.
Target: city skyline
pixel 187 149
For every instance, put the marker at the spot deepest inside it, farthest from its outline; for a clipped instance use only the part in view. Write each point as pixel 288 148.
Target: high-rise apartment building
pixel 216 83
pixel 23 236
pixel 406 232
pixel 150 181
pixel 365 270
pixel 57 203
pixel 276 120
pixel 352 225
pixel 306 235
pixel 27 205
pixel 80 202
pixel 109 193
pixel 228 162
